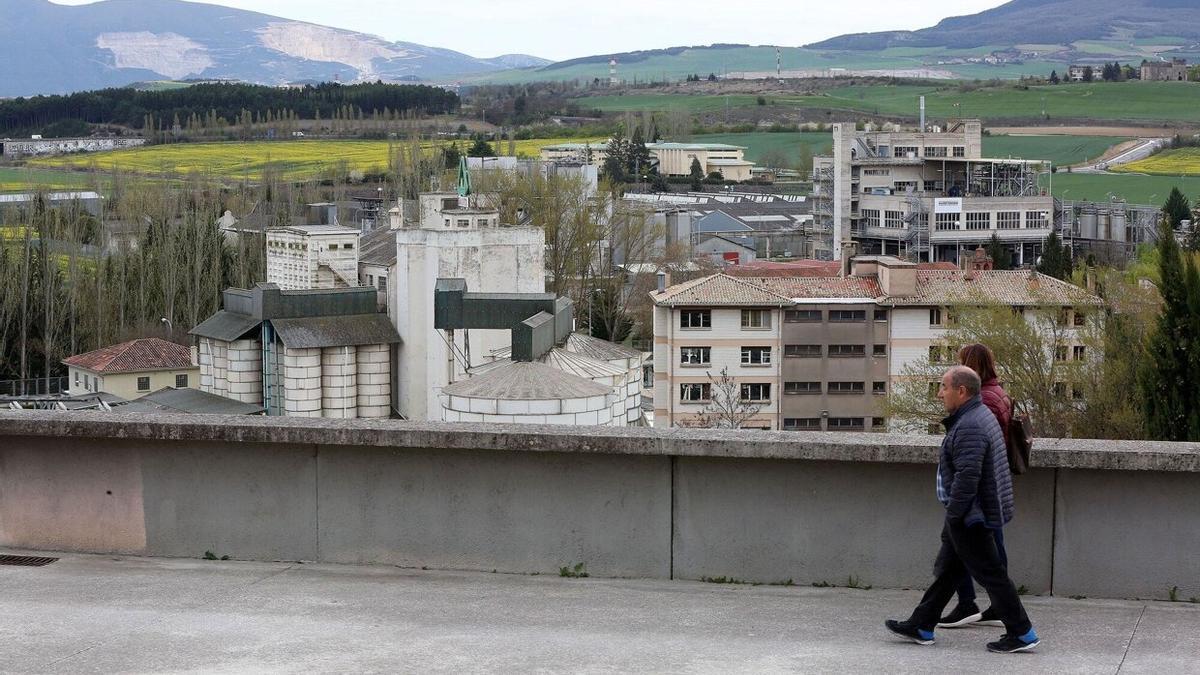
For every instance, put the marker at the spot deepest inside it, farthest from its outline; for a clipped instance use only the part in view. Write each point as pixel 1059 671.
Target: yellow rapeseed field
pixel 295 160
pixel 1181 162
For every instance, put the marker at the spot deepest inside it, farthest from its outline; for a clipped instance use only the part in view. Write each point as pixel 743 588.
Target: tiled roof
pixel 719 289
pixel 143 354
pixel 866 288
pixel 935 287
pixel 988 287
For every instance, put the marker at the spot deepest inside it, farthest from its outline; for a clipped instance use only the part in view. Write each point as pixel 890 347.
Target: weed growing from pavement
pixel 579 571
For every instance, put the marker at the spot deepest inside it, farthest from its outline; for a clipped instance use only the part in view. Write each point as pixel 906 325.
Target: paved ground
pixel 111 614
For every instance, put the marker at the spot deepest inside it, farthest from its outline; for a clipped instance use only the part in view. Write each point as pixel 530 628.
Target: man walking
pixel 975 486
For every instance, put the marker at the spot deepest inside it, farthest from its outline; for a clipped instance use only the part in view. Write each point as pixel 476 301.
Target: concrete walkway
pixel 118 614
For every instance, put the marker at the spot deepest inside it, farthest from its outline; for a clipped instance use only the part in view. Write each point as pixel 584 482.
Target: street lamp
pixel 170 328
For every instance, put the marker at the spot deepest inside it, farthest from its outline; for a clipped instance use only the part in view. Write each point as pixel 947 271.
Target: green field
pixel 23 179
pixel 1134 101
pixel 1181 162
pixel 1061 150
pixel 1132 188
pixel 295 160
pixel 758 144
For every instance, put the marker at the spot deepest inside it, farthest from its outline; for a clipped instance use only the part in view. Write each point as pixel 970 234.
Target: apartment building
pixel 929 195
pixel 823 352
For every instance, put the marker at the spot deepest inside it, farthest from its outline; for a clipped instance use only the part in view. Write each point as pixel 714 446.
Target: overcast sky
pixel 563 29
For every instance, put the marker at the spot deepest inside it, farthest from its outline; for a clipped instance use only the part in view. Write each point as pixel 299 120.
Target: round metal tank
pixel 1103 222
pixel 1119 222
pixel 528 393
pixel 1087 223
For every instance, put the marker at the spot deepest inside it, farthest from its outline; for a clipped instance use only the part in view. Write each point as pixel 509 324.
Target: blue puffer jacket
pixel 974 482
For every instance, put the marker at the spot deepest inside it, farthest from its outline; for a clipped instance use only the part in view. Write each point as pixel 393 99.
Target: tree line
pixel 216 101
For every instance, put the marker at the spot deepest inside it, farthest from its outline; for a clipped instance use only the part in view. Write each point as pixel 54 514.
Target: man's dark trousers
pixel 971 550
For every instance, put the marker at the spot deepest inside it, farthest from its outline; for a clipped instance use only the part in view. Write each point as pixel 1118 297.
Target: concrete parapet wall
pixel 1095 518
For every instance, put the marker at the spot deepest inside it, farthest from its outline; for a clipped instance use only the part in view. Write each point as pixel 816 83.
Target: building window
pixel 76 373
pixel 893 219
pixel 802 351
pixel 1036 219
pixel 1079 352
pixel 1059 389
pixel 756 318
pixel 845 424
pixel 935 151
pixel 756 356
pixel 756 392
pixel 382 284
pixel 694 392
pixel 695 356
pixel 846 388
pixel 1080 319
pixel 801 423
pixel 143 384
pixel 979 220
pixel 802 315
pixel 945 221
pixel 881 315
pixel 870 217
pixel 879 350
pixel 903 151
pixel 933 186
pixel 695 318
pixel 790 388
pixel 846 315
pixel 648 376
pixel 879 388
pixel 1008 220
pixel 960 151
pixel 370 279
pixel 878 422
pixel 181 381
pixel 847 351
pixel 935 316
pixel 464 222
pixel 1060 353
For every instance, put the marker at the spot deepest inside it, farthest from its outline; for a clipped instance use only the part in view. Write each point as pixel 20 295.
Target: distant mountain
pixel 1041 22
pixel 47 48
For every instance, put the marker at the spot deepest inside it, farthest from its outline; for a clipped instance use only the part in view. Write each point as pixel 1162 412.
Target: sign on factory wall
pixel 947 205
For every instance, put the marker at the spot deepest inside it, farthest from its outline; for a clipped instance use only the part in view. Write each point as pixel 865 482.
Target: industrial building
pixel 672 159
pixel 318 254
pixel 311 353
pixel 822 352
pixel 931 195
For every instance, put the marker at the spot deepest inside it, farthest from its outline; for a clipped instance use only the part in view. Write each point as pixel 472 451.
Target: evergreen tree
pixel 1054 77
pixel 1001 256
pixel 697 175
pixel 637 159
pixel 481 148
pixel 1168 384
pixel 1088 74
pixel 1176 209
pixel 1056 259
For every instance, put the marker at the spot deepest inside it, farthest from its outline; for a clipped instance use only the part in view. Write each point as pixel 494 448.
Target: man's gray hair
pixel 962 376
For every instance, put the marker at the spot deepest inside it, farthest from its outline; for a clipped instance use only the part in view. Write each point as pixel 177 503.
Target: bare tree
pixel 726 408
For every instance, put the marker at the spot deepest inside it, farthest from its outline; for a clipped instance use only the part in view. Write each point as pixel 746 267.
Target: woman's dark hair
pixel 979 358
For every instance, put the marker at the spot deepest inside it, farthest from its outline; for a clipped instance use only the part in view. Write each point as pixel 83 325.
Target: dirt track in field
pixel 1137 132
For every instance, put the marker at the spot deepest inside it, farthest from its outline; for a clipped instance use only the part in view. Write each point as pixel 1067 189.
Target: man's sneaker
pixel 1011 644
pixel 909 631
pixel 989 618
pixel 964 614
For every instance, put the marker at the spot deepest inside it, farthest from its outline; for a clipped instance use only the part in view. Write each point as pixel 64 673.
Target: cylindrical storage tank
pixel 1087 223
pixel 1103 225
pixel 302 381
pixel 245 371
pixel 220 359
pixel 374 381
pixel 339 382
pixel 528 393
pixel 1119 223
pixel 204 360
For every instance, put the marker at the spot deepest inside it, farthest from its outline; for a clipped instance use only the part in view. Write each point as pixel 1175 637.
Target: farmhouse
pixel 1175 70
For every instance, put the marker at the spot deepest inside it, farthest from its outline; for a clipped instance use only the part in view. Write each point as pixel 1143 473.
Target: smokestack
pixel 662 281
pixel 922 114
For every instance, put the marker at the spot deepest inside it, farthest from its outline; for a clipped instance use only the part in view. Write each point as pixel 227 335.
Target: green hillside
pixel 1133 101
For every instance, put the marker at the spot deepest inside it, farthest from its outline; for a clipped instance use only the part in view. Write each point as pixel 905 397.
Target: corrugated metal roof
pixel 189 400
pixel 336 331
pixel 581 365
pixel 600 349
pixel 226 325
pixel 719 221
pixel 378 247
pixel 526 381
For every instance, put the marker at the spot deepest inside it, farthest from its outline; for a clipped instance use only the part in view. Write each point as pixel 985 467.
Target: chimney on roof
pixel 1035 282
pixel 979 262
pixel 662 281
pixel 849 250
